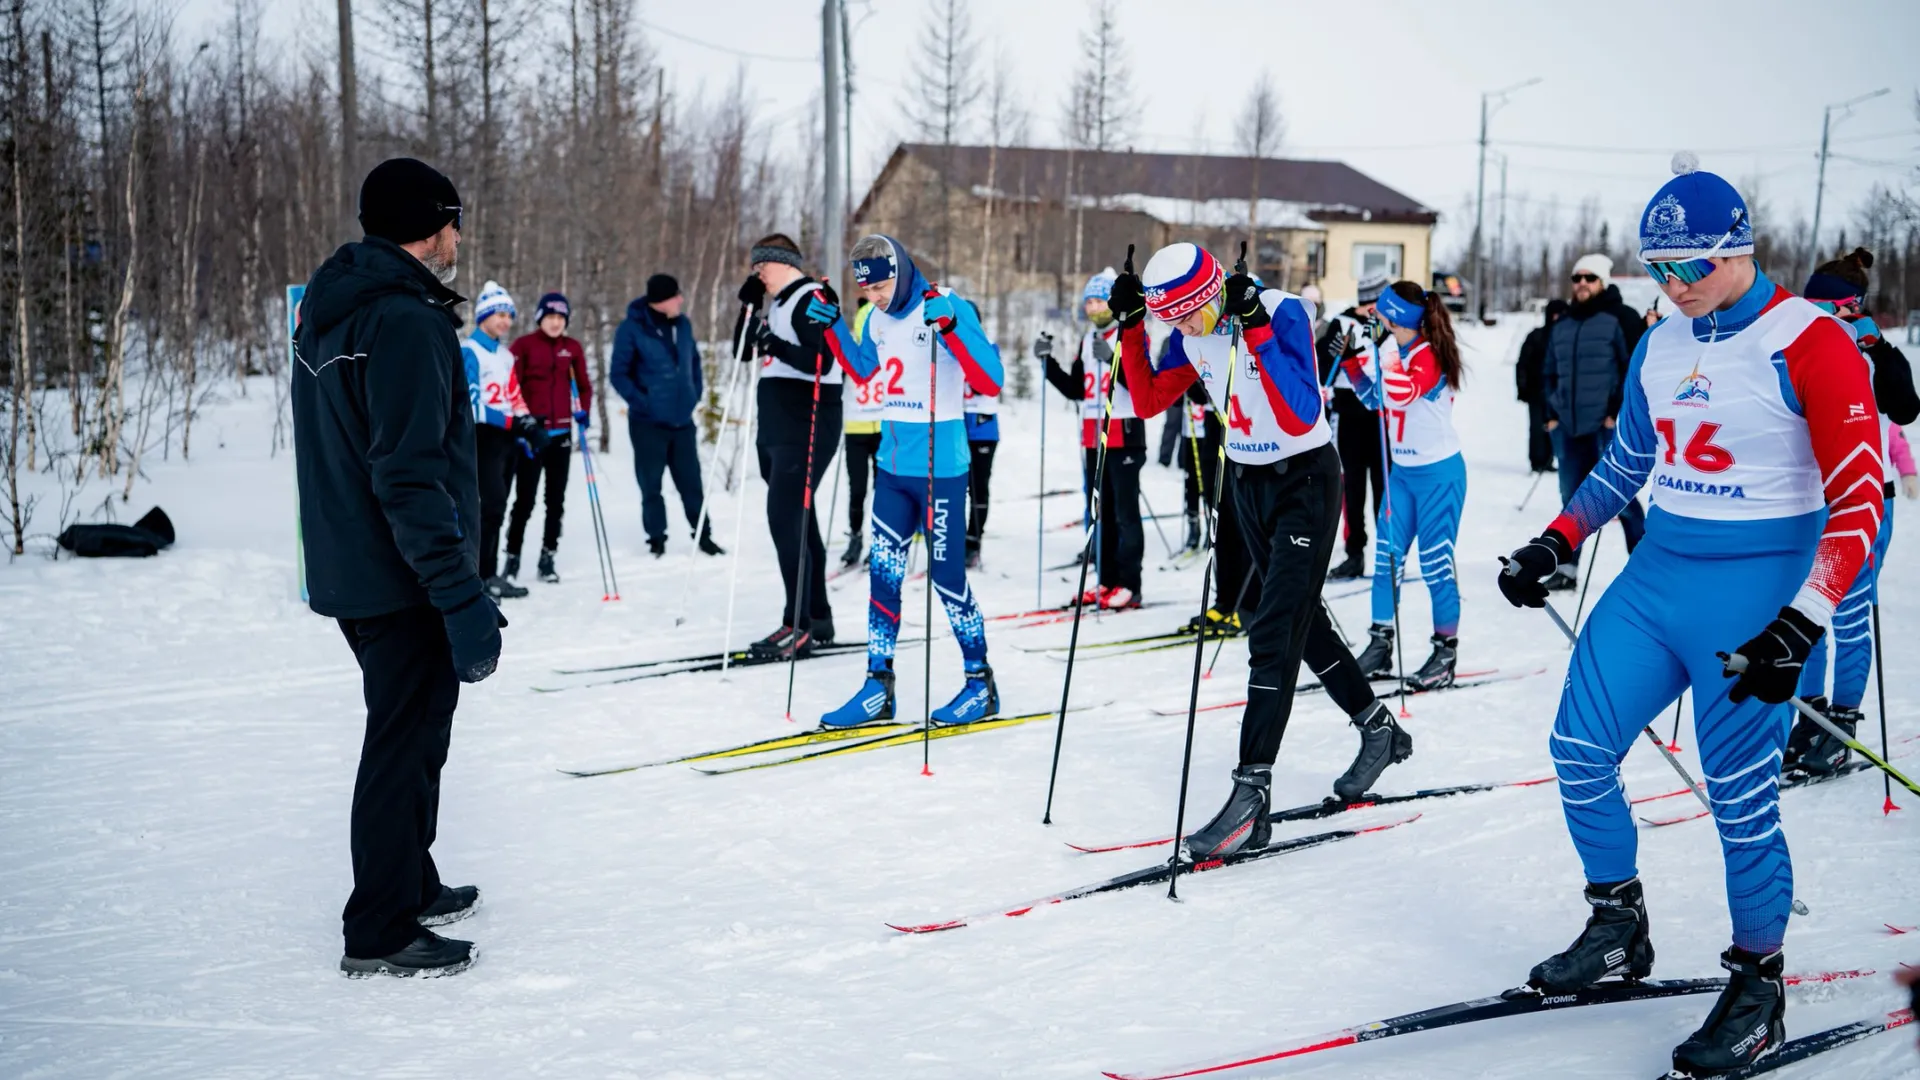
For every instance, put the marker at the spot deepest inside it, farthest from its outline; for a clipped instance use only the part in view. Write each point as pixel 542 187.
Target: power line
pixel 677 35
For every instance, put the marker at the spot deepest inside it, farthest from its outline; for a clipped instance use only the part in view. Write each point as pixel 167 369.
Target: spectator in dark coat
pixel 389 513
pixel 551 370
pixel 656 368
pixel 1585 378
pixel 1530 380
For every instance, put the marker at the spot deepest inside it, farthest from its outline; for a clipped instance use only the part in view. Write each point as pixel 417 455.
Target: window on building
pixel 1316 259
pixel 1371 259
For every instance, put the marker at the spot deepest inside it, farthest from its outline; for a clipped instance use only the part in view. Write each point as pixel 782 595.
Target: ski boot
pixel 979 699
pixel 708 547
pixel 1354 567
pixel 783 644
pixel 452 905
pixel 1746 1024
pixel 1194 536
pixel 428 955
pixel 873 702
pixel 1091 598
pixel 1811 749
pixel 821 630
pixel 856 546
pixel 1215 623
pixel 1614 942
pixel 1565 579
pixel 547 573
pixel 511 570
pixel 657 545
pixel 1376 660
pixel 973 553
pixel 1242 824
pixel 1382 743
pixel 501 589
pixel 1120 598
pixel 1437 672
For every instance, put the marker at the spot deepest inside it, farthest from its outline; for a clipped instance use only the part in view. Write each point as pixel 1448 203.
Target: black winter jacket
pixel 383 437
pixel 1586 365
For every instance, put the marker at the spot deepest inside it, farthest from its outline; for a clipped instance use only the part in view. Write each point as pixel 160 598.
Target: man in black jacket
pixel 389 512
pixel 1529 378
pixel 1585 377
pixel 656 368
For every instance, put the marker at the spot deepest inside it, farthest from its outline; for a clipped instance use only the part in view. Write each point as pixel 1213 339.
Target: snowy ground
pixel 177 748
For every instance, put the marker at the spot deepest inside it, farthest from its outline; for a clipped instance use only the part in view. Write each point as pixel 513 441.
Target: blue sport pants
pixel 900 510
pixel 1423 505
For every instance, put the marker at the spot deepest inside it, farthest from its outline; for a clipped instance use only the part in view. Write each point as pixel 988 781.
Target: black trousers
pixel 795 527
pixel 1289 515
pixel 406 675
pixel 527 474
pixel 497 451
pixel 658 450
pixel 979 489
pixel 861 452
pixel 1120 535
pixel 1539 440
pixel 1358 438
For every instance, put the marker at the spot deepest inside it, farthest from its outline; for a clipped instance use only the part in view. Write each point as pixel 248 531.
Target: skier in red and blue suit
pixel 1752 416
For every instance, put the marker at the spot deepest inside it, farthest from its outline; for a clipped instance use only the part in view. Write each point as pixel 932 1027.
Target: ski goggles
pixel 1688 271
pixel 1848 306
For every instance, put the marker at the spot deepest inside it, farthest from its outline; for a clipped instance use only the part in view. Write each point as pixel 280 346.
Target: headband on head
pixel 1399 310
pixel 875 270
pixel 771 254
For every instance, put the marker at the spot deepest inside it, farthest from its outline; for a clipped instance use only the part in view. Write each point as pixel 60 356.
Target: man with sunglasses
pixel 1585 369
pixel 1750 414
pixel 390 515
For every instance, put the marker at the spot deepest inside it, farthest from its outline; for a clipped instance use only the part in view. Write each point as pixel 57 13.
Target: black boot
pixel 822 630
pixel 428 955
pixel 782 644
pixel 708 547
pixel 1242 824
pixel 1437 672
pixel 973 553
pixel 512 568
pixel 1193 532
pixel 452 905
pixel 1811 749
pixel 501 589
pixel 1565 579
pixel 1382 743
pixel 1801 738
pixel 1615 942
pixel 1355 566
pixel 856 545
pixel 547 573
pixel 1746 1024
pixel 657 545
pixel 1376 660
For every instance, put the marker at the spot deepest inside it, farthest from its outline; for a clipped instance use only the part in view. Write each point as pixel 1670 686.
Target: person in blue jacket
pixel 656 368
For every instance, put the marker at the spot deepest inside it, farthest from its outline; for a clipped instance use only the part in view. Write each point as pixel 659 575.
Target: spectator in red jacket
pixel 551 369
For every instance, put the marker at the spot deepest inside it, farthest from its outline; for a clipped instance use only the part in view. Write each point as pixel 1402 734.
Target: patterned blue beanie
pixel 1098 287
pixel 1692 214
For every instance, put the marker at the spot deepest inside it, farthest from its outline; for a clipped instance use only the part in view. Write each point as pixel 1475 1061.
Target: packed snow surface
pixel 177 749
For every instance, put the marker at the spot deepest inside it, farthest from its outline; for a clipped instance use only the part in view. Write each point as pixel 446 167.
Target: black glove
pixel 753 291
pixel 1773 658
pixel 1043 346
pixel 1240 299
pixel 764 340
pixel 1127 300
pixel 1523 582
pixel 531 433
pixel 473 632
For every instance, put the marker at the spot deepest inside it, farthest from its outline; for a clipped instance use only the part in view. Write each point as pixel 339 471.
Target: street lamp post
pixel 1820 185
pixel 1490 102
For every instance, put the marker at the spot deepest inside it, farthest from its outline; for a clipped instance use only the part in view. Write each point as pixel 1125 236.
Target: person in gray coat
pixel 1585 374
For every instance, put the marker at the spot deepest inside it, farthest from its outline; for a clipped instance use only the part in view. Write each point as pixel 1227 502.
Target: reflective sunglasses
pixel 1689 271
pixel 1578 279
pixel 457 209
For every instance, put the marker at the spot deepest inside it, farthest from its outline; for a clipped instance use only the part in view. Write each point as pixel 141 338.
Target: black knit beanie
pixel 404 200
pixel 662 288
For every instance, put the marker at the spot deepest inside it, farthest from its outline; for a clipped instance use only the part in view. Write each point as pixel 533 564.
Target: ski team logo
pixel 1694 391
pixel 1667 218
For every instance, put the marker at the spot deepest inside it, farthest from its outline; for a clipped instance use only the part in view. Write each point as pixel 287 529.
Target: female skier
pixel 1750 413
pixel 1427 485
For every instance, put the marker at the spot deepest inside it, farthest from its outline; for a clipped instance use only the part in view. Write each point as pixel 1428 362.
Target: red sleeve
pixel 582 383
pixel 1835 392
pixel 1412 382
pixel 1153 391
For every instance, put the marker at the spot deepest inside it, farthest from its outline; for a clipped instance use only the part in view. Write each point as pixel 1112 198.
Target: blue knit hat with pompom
pixel 1692 213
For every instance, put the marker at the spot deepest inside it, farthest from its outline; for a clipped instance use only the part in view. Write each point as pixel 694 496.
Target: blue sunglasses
pixel 1689 271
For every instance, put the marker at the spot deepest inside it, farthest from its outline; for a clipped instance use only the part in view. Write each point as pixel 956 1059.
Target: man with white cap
pixel 1586 367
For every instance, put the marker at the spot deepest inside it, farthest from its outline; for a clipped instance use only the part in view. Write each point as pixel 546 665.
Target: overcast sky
pixel 1392 88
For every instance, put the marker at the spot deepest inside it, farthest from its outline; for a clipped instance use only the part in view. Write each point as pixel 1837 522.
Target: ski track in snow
pixel 177 751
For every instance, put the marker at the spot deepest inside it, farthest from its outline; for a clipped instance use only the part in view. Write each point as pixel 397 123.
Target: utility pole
pixel 1500 236
pixel 349 125
pixel 1820 185
pixel 834 229
pixel 1490 102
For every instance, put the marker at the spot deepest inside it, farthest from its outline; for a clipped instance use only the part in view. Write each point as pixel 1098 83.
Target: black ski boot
pixel 1193 533
pixel 856 546
pixel 1811 749
pixel 512 567
pixel 1565 579
pixel 452 905
pixel 708 547
pixel 428 955
pixel 782 644
pixel 501 589
pixel 1376 660
pixel 822 630
pixel 658 546
pixel 973 553
pixel 1242 824
pixel 1615 942
pixel 1354 567
pixel 1382 743
pixel 1746 1024
pixel 1437 672
pixel 547 573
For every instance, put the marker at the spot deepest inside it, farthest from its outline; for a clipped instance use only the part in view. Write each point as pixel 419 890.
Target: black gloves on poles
pixel 531 433
pixel 1128 300
pixel 753 291
pixel 1523 582
pixel 1773 658
pixel 1240 299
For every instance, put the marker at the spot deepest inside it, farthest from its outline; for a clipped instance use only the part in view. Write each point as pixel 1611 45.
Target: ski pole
pixel 1089 538
pixel 1221 644
pixel 726 410
pixel 609 583
pixel 1155 518
pixel 1880 685
pixel 733 571
pixel 804 553
pixel 1586 579
pixel 1673 744
pixel 1206 582
pixel 1737 664
pixel 1530 490
pixel 1699 791
pixel 933 423
pixel 1385 522
pixel 1040 512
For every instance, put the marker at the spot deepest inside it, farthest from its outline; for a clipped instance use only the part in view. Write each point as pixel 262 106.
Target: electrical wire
pixel 678 36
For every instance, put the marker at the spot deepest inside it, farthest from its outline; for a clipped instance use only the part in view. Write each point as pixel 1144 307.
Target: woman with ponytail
pixel 1840 288
pixel 1413 389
